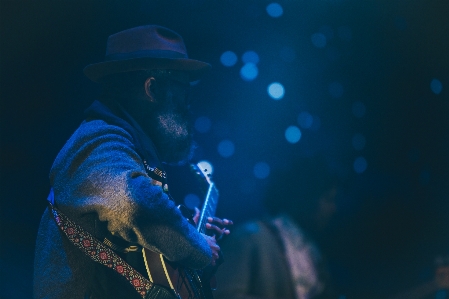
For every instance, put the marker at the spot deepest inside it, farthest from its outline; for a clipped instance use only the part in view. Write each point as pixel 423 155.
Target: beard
pixel 166 122
pixel 172 135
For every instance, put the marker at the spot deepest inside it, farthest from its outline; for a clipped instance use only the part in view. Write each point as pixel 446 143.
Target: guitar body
pixel 186 282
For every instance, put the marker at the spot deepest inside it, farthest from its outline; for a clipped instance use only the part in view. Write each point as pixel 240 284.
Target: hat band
pixel 146 54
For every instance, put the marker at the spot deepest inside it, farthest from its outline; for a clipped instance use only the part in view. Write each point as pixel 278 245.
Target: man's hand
pixel 219 227
pixel 214 247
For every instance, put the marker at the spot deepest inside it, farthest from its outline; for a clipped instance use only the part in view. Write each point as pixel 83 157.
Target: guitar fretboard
pixel 209 207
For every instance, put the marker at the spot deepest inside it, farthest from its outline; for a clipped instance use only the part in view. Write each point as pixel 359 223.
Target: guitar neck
pixel 209 207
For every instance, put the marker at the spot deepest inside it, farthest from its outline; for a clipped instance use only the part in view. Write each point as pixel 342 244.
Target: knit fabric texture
pixel 100 182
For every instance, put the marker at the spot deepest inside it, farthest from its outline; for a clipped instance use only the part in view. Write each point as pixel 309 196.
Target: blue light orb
pixel 336 90
pixel 250 57
pixel 276 91
pixel 203 124
pixel 358 141
pixel 249 72
pixel 293 134
pixel 226 148
pixel 436 86
pixel 192 201
pixel 305 120
pixel 261 170
pixel 360 165
pixel 275 10
pixel 228 58
pixel 319 40
pixel 358 109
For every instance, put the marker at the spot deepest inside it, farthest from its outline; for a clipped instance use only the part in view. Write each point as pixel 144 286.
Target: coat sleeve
pixel 99 172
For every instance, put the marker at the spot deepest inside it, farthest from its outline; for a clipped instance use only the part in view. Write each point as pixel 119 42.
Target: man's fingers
pixel 196 216
pixel 214 227
pixel 220 221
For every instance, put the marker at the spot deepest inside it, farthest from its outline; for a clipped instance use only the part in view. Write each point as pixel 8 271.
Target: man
pixel 109 196
pixel 277 256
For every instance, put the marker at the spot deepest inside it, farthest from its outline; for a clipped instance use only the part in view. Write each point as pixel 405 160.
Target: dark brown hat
pixel 144 48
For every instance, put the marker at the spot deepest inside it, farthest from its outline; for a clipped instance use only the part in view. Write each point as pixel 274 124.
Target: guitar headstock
pixel 203 172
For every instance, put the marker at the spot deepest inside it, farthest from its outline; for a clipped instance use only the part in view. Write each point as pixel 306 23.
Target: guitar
pixel 186 283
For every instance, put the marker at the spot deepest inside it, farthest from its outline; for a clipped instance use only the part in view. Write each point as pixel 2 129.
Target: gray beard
pixel 172 136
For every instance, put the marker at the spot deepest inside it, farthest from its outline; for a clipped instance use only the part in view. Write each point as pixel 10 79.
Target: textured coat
pixel 100 182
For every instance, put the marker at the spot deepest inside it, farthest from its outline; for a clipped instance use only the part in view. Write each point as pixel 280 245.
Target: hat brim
pixel 194 68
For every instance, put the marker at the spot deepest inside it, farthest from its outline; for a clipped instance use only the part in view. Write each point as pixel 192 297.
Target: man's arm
pixel 98 171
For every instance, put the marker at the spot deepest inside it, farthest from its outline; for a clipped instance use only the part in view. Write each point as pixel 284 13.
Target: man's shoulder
pixel 89 135
pixel 97 131
pixel 99 127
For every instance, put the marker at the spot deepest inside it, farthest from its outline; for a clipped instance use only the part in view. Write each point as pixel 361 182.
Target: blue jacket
pixel 100 182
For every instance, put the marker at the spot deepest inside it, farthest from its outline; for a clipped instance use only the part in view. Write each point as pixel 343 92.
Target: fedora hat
pixel 144 48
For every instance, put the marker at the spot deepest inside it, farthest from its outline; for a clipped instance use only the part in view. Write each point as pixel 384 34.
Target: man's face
pixel 172 129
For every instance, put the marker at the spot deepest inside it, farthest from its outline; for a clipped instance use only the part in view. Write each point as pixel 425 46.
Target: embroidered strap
pixel 100 253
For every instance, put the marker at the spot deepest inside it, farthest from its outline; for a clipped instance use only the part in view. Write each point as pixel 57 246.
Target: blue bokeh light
pixel 305 120
pixel 436 86
pixel 250 57
pixel 194 83
pixel 275 10
pixel 261 170
pixel 249 72
pixel 293 134
pixel 358 141
pixel 192 201
pixel 226 148
pixel 319 40
pixel 276 90
pixel 228 58
pixel 360 165
pixel 336 90
pixel 358 109
pixel 203 124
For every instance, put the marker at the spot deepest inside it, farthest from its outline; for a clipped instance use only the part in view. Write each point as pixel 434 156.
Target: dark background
pixel 392 219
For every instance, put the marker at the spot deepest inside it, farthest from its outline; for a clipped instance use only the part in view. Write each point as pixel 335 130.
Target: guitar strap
pixel 102 254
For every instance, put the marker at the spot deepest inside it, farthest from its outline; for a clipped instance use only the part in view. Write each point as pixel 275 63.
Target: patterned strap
pixel 100 253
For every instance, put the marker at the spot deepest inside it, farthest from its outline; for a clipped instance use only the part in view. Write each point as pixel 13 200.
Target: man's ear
pixel 148 85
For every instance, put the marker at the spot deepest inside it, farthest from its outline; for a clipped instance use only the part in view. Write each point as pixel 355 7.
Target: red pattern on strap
pixel 100 253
